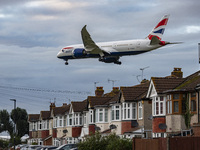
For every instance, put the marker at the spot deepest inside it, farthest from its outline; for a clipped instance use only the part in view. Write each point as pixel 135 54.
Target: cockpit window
pixel 63 50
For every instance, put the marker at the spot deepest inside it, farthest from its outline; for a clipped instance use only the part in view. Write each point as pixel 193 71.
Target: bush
pixel 110 142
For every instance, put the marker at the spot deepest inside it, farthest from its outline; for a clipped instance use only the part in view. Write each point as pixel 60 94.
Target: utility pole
pixel 14 100
pixel 142 69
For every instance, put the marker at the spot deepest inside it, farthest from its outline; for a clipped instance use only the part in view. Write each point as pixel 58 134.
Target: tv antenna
pixel 142 69
pixel 95 85
pixel 113 82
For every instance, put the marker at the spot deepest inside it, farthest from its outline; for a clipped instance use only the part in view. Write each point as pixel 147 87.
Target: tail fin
pixel 159 29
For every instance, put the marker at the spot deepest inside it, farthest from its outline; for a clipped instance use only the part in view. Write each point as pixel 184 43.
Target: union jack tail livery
pixel 159 29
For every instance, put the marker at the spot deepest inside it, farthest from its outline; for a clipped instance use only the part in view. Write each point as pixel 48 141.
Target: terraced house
pixel 161 107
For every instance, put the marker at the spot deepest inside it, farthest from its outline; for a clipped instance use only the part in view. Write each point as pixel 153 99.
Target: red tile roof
pixel 33 117
pixel 137 92
pixel 79 106
pixel 97 101
pixel 190 82
pixel 45 115
pixel 61 110
pixel 163 84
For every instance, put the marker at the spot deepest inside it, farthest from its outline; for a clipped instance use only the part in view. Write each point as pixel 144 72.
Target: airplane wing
pixel 89 44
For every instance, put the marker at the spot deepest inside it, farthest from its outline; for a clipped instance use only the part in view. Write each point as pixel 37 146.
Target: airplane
pixel 110 52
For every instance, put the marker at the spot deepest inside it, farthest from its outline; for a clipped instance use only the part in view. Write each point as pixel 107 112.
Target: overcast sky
pixel 32 32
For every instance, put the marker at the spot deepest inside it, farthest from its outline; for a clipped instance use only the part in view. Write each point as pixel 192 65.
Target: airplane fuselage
pixel 115 48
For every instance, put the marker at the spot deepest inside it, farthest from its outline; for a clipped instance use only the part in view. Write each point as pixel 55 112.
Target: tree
pixel 5 123
pixel 19 117
pixel 110 142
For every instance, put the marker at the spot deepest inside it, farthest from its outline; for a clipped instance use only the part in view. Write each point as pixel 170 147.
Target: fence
pixel 177 143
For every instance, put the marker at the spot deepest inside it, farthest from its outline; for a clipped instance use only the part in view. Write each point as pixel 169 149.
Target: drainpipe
pixel 198 102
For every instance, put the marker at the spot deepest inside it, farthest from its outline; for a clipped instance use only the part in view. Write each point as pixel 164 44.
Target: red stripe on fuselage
pixel 68 48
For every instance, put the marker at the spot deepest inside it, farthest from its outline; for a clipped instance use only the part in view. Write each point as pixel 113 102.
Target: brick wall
pixel 76 131
pixel 45 133
pixel 196 129
pixel 91 129
pixel 48 141
pixel 30 135
pixel 156 122
pixel 126 126
pixel 54 131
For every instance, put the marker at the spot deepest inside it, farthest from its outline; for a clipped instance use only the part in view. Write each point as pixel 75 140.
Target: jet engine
pixel 110 59
pixel 79 53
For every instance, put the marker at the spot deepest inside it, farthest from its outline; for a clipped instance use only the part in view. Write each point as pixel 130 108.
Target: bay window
pixel 115 113
pixel 129 111
pixel 101 115
pixel 140 110
pixel 158 105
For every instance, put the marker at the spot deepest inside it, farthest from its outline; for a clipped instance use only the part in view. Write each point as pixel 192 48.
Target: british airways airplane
pixel 110 52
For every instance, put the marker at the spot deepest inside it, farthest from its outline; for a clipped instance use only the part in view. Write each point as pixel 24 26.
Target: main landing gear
pixel 66 63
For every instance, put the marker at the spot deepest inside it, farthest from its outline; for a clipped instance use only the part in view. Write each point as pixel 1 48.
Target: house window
pixel 91 116
pixel 115 112
pixel 175 96
pixel 193 102
pixel 80 119
pixel 169 106
pixel 140 110
pixel 101 115
pixel 70 119
pixel 158 106
pixel 85 118
pixel 60 121
pixel 47 124
pixel 40 125
pixel 106 115
pixel 176 106
pixel 134 111
pixel 129 111
pixel 65 121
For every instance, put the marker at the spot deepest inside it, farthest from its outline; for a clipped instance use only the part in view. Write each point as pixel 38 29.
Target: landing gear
pixel 118 62
pixel 66 63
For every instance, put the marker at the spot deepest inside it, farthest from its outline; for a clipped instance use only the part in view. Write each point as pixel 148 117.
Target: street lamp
pixel 14 100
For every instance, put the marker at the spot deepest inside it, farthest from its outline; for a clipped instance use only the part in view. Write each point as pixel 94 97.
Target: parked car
pixel 50 148
pixel 67 147
pixel 33 147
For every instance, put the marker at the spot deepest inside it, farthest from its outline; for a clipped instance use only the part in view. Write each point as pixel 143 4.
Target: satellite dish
pixel 162 126
pixel 150 117
pixel 134 123
pixel 97 128
pixel 112 126
pixel 65 131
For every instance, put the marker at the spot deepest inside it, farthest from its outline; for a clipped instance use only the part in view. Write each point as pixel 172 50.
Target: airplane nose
pixel 59 55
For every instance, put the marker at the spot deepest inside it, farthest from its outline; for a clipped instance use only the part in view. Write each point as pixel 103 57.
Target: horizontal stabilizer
pixel 154 40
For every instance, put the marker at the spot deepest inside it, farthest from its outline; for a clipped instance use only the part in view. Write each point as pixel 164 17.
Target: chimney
pixel 115 90
pixel 99 91
pixel 52 106
pixel 177 72
pixel 64 105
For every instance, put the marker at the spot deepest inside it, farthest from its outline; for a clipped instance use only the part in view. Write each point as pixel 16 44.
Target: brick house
pixel 181 101
pixel 60 130
pixel 136 110
pixel 169 95
pixel 33 129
